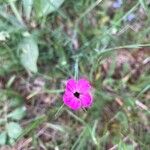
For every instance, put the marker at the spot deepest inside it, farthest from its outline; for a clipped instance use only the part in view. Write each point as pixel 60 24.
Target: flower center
pixel 76 94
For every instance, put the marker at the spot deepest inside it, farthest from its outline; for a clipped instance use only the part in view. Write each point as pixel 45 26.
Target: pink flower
pixel 77 94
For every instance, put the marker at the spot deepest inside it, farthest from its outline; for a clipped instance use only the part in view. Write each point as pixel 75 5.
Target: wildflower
pixel 131 17
pixel 117 4
pixel 77 94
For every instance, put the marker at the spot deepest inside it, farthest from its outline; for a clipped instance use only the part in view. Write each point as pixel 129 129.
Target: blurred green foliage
pixel 41 38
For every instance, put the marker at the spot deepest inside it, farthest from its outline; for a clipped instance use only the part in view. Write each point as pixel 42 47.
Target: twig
pixel 141 105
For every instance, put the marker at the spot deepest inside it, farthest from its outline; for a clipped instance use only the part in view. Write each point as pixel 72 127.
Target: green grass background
pixel 43 44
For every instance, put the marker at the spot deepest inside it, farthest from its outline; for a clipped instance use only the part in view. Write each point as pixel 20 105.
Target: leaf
pixel 18 113
pixel 29 54
pixel 11 141
pixel 16 101
pixel 3 138
pixel 14 130
pixel 45 7
pixel 27 6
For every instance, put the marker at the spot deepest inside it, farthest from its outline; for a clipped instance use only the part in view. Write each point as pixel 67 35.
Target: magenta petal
pixel 86 100
pixel 71 85
pixel 71 101
pixel 76 104
pixel 83 85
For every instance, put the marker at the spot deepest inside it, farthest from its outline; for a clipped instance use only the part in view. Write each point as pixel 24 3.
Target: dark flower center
pixel 77 95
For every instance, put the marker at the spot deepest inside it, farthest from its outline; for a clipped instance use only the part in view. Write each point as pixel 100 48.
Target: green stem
pixel 76 75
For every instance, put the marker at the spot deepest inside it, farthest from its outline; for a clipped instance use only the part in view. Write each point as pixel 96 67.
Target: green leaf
pixel 45 7
pixel 17 114
pixel 3 138
pixel 130 102
pixel 11 141
pixel 14 130
pixel 29 54
pixel 27 6
pixel 16 101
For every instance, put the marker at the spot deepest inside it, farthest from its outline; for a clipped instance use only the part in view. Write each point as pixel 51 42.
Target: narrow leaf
pixel 18 113
pixel 45 7
pixel 14 130
pixel 3 138
pixel 29 52
pixel 27 6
